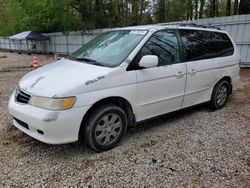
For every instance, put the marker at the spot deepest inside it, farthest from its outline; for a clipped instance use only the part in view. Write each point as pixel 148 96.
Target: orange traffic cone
pixel 35 63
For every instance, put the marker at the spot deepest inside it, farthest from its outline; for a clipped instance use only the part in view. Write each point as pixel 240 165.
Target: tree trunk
pixel 202 2
pixel 214 7
pixel 161 10
pixel 211 8
pixel 141 11
pixel 188 13
pixel 97 13
pixel 196 10
pixel 190 9
pixel 121 13
pixel 135 12
pixel 167 4
pixel 244 7
pixel 126 12
pixel 217 8
pixel 228 8
pixel 236 6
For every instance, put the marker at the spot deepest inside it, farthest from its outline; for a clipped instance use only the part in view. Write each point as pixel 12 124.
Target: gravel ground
pixel 192 148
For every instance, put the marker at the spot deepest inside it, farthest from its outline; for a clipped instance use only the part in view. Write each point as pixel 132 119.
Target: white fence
pixel 237 26
pixel 58 43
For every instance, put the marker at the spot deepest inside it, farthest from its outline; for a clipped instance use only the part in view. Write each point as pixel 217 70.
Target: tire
pixel 220 95
pixel 105 127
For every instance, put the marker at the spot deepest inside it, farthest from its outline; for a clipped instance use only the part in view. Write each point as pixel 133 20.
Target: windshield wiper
pixel 85 59
pixel 92 61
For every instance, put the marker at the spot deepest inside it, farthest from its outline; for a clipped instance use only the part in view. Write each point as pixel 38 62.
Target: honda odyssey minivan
pixel 122 77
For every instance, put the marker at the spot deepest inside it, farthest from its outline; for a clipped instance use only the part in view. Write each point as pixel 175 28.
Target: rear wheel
pixel 220 95
pixel 105 127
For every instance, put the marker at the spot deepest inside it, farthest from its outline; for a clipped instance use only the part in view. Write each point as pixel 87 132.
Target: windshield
pixel 109 49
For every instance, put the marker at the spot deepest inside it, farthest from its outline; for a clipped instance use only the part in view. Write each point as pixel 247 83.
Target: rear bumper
pixel 52 127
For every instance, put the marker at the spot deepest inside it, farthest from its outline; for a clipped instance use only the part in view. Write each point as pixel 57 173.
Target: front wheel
pixel 220 95
pixel 105 127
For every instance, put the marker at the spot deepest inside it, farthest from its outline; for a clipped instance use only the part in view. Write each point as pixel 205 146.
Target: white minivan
pixel 122 77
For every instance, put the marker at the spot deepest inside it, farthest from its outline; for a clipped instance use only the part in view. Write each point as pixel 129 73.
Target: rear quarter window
pixel 199 45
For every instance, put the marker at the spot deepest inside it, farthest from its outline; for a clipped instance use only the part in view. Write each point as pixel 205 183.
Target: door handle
pixel 179 74
pixel 192 72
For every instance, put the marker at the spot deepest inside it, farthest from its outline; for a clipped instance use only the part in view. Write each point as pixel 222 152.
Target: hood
pixel 61 77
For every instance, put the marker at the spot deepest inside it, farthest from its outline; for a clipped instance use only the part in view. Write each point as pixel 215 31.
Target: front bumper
pixel 52 127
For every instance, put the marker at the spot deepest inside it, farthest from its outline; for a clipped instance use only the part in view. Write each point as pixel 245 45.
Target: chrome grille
pixel 22 96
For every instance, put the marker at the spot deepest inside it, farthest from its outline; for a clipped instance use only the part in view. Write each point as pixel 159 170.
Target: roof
pixel 29 35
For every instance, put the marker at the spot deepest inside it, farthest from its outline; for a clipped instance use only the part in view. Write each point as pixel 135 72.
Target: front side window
pixel 163 44
pixel 199 45
pixel 109 49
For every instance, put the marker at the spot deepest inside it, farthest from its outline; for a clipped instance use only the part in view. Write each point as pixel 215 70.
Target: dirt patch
pixel 17 68
pixel 245 72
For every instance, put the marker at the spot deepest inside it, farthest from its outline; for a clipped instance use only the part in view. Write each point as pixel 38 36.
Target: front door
pixel 160 89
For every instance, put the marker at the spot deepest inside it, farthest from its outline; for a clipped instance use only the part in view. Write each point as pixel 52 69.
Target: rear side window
pixel 200 45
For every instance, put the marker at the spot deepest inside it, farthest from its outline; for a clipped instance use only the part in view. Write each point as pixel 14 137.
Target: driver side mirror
pixel 149 61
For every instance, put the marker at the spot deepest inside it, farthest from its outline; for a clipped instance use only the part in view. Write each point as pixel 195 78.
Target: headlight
pixel 52 103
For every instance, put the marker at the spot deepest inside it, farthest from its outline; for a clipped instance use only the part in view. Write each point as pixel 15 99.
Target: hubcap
pixel 222 95
pixel 108 129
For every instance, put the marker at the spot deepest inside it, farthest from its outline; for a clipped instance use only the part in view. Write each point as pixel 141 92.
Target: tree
pixel 236 6
pixel 196 9
pixel 135 12
pixel 36 15
pixel 190 10
pixel 202 3
pixel 244 7
pixel 68 15
pixel 161 10
pixel 85 9
pixel 214 8
pixel 228 8
pixel 7 19
pixel 98 16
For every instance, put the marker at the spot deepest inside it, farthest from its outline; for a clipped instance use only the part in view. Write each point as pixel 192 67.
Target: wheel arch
pixel 229 80
pixel 120 101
